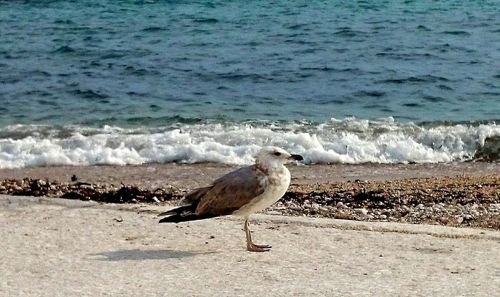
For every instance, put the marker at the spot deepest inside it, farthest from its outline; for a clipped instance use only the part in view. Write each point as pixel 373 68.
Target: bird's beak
pixel 296 157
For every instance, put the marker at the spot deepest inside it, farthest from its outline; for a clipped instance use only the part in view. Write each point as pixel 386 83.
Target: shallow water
pixel 186 80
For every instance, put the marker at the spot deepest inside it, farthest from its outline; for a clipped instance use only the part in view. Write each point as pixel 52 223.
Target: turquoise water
pixel 121 82
pixel 128 62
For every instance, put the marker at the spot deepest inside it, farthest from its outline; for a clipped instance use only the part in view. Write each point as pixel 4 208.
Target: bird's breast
pixel 276 188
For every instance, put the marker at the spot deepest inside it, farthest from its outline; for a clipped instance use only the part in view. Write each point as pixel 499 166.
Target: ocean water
pixel 132 82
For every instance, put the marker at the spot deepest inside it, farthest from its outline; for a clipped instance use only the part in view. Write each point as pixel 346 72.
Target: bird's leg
pixel 250 245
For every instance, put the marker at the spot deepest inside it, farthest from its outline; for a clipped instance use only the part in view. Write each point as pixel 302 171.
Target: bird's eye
pixel 277 154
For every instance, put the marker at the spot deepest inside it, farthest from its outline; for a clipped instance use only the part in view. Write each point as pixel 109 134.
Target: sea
pixel 135 82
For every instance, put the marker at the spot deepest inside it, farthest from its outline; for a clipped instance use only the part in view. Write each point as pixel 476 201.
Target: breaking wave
pixel 349 140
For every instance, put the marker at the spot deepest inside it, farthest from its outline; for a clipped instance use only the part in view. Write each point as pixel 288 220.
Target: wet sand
pixel 189 176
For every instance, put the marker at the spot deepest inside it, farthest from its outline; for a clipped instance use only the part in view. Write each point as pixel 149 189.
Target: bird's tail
pixel 182 214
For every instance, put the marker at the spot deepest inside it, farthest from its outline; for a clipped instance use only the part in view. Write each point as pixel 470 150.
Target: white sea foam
pixel 337 141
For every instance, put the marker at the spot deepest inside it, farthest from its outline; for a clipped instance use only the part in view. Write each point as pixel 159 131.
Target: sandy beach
pixel 67 247
pixel 60 247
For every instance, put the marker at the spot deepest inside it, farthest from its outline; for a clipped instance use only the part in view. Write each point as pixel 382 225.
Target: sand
pixel 57 247
pixel 455 194
pixel 188 176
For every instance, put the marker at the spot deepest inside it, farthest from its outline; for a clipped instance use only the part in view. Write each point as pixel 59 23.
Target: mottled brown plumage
pixel 242 185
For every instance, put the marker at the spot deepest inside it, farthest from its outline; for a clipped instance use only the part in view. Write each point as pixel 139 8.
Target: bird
pixel 240 193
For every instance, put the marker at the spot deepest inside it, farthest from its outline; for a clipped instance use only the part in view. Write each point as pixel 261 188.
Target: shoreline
pixel 189 176
pixel 456 194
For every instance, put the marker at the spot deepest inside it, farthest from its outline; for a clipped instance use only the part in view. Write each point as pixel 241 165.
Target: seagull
pixel 241 193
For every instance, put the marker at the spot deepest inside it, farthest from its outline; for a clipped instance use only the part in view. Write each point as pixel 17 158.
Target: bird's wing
pixel 194 197
pixel 232 191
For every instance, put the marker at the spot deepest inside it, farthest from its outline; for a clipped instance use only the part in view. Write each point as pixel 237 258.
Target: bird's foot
pixel 258 247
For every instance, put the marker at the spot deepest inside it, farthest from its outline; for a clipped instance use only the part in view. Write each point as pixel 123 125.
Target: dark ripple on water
pixel 89 94
pixel 154 29
pixel 64 49
pixel 415 79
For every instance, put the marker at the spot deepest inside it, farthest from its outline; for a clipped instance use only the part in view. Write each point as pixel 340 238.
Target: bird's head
pixel 271 156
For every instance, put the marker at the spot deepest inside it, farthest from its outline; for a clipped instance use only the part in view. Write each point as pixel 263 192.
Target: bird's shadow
pixel 138 255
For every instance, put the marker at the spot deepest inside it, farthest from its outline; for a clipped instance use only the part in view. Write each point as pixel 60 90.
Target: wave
pixel 349 140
